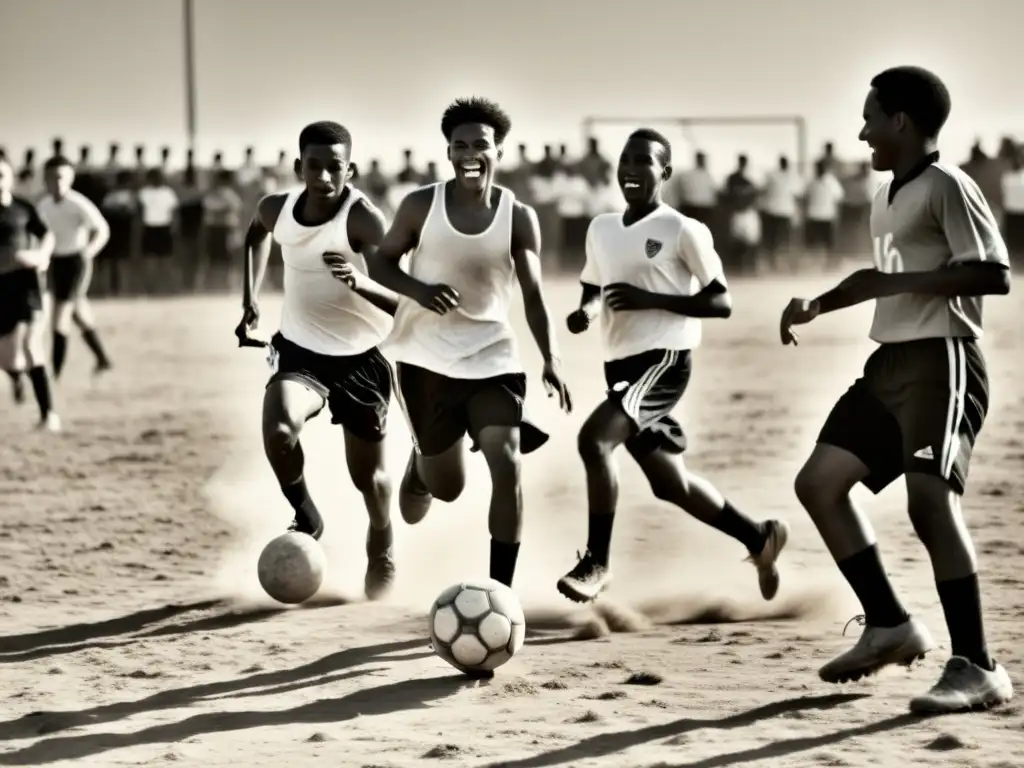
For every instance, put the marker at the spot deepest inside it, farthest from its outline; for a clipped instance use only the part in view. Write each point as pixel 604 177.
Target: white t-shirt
pixel 781 190
pixel 158 205
pixel 824 194
pixel 1013 191
pixel 695 187
pixel 664 252
pixel 71 220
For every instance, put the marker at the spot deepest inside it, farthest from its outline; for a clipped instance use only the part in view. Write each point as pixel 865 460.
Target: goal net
pixel 761 138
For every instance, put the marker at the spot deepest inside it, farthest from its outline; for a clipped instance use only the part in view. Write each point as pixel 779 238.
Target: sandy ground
pixel 134 632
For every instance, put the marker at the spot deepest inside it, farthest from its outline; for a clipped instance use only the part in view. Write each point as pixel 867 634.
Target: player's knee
pixel 592 446
pixel 280 438
pixel 375 482
pixel 817 489
pixel 933 508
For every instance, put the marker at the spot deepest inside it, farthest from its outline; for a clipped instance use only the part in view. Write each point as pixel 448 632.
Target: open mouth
pixel 472 169
pixel 631 185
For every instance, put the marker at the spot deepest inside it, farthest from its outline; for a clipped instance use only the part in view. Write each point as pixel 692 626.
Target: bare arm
pixel 713 300
pixel 590 300
pixel 99 230
pixel 402 237
pixel 526 257
pixel 366 230
pixel 257 247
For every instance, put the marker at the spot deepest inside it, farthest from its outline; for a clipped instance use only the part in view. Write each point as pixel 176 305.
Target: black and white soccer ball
pixel 476 626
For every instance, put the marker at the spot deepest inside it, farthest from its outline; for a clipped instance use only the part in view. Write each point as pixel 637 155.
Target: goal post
pixel 771 135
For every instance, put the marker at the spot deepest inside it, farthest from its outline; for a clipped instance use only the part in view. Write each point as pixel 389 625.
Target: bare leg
pixel 287 406
pixel 366 468
pixel 500 447
pixel 441 476
pixel 891 636
pixel 971 678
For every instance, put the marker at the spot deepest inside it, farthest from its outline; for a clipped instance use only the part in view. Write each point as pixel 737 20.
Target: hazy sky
pixel 95 70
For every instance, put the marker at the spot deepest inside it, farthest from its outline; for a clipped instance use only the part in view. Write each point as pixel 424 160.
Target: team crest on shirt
pixel 652 248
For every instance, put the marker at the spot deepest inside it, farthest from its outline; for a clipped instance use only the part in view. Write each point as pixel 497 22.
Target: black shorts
pixel 648 387
pixel 918 407
pixel 157 241
pixel 21 296
pixel 65 276
pixel 819 234
pixel 356 388
pixel 442 410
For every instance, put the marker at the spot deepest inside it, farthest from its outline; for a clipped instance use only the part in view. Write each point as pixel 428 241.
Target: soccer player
pixel 458 365
pixel 80 233
pixel 921 401
pixel 326 351
pixel 651 273
pixel 22 263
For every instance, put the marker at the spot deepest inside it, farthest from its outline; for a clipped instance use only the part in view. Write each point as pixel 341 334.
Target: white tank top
pixel 320 313
pixel 476 340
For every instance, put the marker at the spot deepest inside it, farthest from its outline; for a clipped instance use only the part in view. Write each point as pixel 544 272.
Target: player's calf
pixel 500 447
pixel 286 406
pixel 441 476
pixel 366 468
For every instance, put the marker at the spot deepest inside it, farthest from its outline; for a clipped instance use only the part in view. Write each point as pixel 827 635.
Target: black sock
pixel 732 522
pixel 866 574
pixel 92 340
pixel 15 377
pixel 961 602
pixel 40 379
pixel 599 537
pixel 60 352
pixel 503 561
pixel 306 514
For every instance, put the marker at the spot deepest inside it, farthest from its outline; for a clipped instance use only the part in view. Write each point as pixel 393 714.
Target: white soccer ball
pixel 476 626
pixel 291 567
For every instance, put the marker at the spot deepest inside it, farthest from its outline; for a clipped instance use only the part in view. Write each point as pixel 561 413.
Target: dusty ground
pixel 134 633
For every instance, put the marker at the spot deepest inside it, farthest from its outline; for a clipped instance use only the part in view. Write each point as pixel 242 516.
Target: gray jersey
pixel 936 219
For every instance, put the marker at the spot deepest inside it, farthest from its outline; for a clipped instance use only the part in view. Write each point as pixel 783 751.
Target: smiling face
pixel 882 133
pixel 641 171
pixel 474 154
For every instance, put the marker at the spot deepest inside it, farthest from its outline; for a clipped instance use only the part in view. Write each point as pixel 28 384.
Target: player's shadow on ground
pixel 786 747
pixel 98 635
pixel 337 666
pixel 97 630
pixel 380 700
pixel 609 743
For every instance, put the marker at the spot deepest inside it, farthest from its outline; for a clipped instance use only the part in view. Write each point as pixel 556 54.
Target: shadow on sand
pixel 380 700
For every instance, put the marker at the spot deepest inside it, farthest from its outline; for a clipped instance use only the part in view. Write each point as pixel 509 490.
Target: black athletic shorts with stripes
pixel 918 407
pixel 648 387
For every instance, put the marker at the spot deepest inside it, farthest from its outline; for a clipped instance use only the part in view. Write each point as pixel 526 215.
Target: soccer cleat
pixel 964 686
pixel 413 497
pixel 765 560
pixel 380 568
pixel 586 581
pixel 308 522
pixel 102 367
pixel 879 647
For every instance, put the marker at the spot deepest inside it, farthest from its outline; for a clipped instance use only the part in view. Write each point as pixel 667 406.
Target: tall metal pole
pixel 190 73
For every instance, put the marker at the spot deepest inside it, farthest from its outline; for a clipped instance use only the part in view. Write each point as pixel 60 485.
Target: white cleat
pixel 51 423
pixel 879 647
pixel 963 687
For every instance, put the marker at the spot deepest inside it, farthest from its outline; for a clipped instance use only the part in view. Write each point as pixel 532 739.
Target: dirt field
pixel 134 632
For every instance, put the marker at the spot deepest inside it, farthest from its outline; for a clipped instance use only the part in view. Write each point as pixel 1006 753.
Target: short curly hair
pixel 916 92
pixel 476 110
